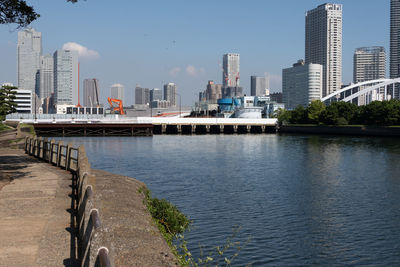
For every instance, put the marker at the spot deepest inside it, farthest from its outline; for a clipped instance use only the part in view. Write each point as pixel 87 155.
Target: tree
pixel 314 111
pixel 298 115
pixel 283 115
pixel 19 12
pixel 7 104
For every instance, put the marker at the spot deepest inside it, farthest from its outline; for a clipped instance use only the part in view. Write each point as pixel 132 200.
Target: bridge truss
pixel 364 92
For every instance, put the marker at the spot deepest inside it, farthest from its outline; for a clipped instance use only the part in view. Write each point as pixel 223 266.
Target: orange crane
pixel 118 108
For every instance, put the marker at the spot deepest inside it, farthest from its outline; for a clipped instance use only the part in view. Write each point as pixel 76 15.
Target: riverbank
pixel 354 130
pixel 39 223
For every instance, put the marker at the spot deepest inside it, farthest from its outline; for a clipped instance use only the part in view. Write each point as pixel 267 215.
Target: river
pixel 298 200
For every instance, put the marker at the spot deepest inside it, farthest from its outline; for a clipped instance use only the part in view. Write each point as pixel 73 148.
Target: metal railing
pixel 87 219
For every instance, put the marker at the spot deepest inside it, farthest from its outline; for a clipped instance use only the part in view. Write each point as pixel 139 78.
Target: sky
pixel 152 42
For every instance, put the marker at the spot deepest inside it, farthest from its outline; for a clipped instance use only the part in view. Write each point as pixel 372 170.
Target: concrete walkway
pixel 34 212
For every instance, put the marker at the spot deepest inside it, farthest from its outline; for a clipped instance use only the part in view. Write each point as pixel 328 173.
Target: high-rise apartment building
pixel 142 96
pixel 395 43
pixel 170 93
pixel 231 70
pixel 29 50
pixel 66 77
pixel 91 92
pixel 213 92
pixel 369 64
pixel 155 94
pixel 323 44
pixel 259 85
pixel 301 84
pixel 117 91
pixel 46 76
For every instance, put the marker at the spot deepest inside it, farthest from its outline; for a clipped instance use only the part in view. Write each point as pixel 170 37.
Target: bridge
pixel 114 125
pixel 364 92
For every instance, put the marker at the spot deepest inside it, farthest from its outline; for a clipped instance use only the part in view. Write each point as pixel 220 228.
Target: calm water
pixel 301 200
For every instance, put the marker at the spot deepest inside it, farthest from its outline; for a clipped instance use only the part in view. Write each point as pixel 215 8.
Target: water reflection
pixel 305 200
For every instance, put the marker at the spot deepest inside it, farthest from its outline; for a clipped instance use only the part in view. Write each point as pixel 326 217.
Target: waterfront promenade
pixel 40 218
pixel 34 222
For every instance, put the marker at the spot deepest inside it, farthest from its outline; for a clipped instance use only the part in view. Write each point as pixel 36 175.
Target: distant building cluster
pixel 321 72
pixel 52 80
pixel 156 98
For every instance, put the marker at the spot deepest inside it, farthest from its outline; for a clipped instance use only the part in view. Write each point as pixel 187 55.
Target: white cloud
pixel 174 71
pixel 82 51
pixel 193 71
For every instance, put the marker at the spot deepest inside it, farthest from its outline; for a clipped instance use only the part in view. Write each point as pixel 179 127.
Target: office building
pixel 369 64
pixel 66 77
pixel 301 84
pixel 259 85
pixel 117 91
pixel 170 93
pixel 142 96
pixel 155 94
pixel 46 76
pixel 395 43
pixel 323 44
pixel 213 92
pixel 91 91
pixel 231 70
pixel 29 50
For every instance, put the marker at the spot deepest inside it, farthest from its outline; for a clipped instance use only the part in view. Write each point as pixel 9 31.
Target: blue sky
pixel 151 42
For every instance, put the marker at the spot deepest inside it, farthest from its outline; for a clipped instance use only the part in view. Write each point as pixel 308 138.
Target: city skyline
pixel 187 57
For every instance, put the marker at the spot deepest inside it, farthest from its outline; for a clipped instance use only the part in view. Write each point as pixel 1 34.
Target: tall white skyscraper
pixel 170 93
pixel 301 84
pixel 231 70
pixel 66 77
pixel 29 50
pixel 90 92
pixel 46 76
pixel 117 91
pixel 324 44
pixel 369 64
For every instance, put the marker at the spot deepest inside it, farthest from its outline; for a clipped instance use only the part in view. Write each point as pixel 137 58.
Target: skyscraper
pixel 66 77
pixel 46 76
pixel 258 85
pixel 323 44
pixel 29 50
pixel 90 92
pixel 170 93
pixel 231 70
pixel 155 94
pixel 142 95
pixel 117 91
pixel 369 64
pixel 395 43
pixel 301 84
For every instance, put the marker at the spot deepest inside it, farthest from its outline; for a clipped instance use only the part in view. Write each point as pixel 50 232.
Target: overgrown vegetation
pixel 28 128
pixel 379 113
pixel 172 224
pixel 4 127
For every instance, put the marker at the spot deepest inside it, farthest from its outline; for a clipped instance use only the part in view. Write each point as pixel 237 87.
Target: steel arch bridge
pixel 364 89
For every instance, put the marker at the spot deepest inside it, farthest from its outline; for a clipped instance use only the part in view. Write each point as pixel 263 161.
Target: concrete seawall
pixel 106 222
pixel 341 130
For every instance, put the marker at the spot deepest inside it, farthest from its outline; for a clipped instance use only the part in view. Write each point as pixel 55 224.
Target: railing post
pixel 51 156
pixel 39 152
pixel 59 144
pixel 68 156
pixel 45 148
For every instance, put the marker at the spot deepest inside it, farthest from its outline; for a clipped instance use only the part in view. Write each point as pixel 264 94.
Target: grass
pixel 4 127
pixel 27 128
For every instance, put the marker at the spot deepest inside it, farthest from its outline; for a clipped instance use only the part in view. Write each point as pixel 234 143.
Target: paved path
pixel 34 217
